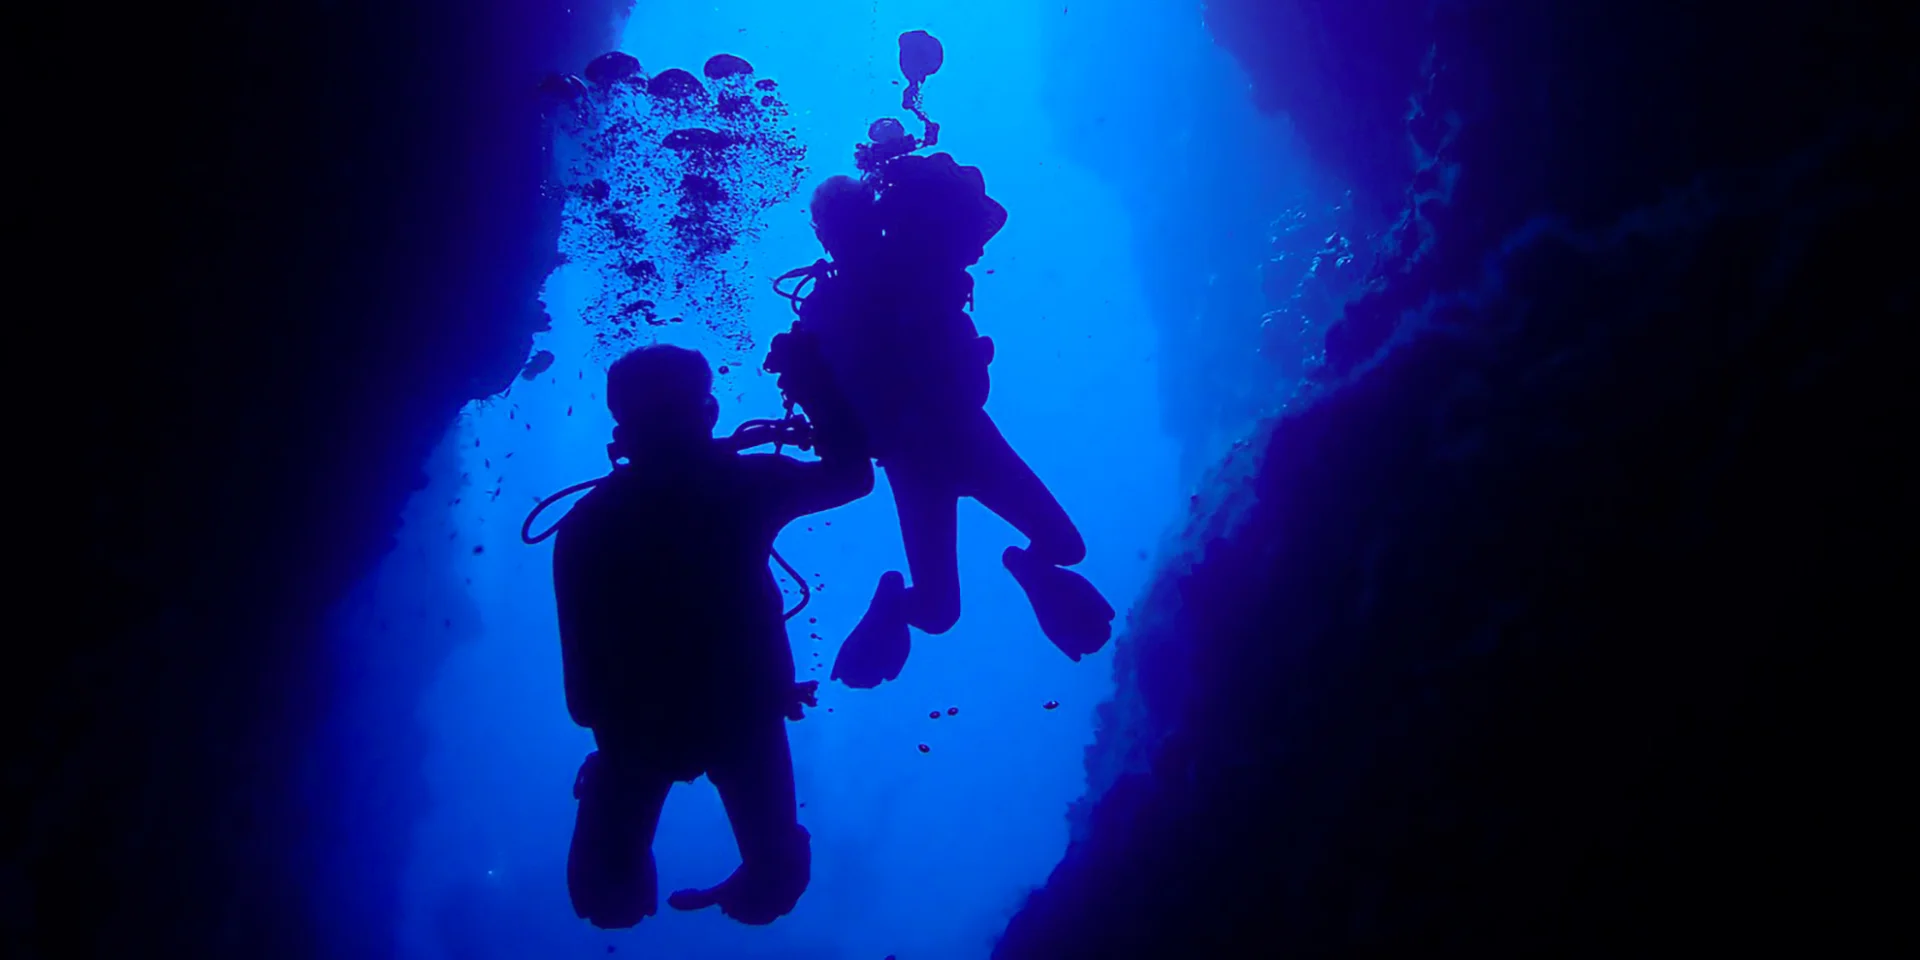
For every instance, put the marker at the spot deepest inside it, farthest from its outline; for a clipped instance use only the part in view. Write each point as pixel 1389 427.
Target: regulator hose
pixel 784 429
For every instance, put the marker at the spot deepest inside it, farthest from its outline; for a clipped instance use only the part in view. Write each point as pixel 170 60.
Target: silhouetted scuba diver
pixel 890 314
pixel 673 642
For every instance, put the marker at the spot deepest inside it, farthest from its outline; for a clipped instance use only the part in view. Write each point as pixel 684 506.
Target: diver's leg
pixel 1004 484
pixel 1071 611
pixel 610 869
pixel 929 508
pixel 755 778
pixel 876 651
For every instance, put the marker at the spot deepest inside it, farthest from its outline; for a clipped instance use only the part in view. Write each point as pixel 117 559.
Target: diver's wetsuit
pixel 911 360
pixel 676 656
pixel 890 317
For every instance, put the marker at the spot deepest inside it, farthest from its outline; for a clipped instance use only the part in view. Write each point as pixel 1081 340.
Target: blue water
pixel 918 854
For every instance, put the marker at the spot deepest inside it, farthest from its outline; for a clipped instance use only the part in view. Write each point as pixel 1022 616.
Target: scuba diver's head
pixel 661 397
pixel 844 217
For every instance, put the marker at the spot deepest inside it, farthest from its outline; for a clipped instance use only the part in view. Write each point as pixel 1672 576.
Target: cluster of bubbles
pixel 955 711
pixel 665 175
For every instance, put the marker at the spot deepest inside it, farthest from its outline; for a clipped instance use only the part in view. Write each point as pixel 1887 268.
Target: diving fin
pixel 763 892
pixel 697 899
pixel 735 898
pixel 877 649
pixel 1071 611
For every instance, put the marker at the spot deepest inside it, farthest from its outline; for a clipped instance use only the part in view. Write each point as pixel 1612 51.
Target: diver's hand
pixel 804 695
pixel 796 357
pixel 788 350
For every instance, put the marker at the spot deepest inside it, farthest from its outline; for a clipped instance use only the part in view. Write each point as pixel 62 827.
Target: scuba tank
pixel 937 208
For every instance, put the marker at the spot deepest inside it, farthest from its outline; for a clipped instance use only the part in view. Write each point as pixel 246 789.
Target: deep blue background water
pixel 925 855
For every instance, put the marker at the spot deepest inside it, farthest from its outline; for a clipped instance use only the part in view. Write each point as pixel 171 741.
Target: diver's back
pixel 685 607
pixel 901 346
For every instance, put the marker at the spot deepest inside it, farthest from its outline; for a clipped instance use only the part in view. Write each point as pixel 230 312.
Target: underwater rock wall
pixel 1537 628
pixel 323 231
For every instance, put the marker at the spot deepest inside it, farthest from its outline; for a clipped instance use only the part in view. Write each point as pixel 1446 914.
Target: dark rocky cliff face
pixel 321 230
pixel 1539 629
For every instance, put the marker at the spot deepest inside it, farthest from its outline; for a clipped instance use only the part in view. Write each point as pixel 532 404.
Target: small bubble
pixel 925 749
pixel 953 711
pixel 935 715
pixel 1050 705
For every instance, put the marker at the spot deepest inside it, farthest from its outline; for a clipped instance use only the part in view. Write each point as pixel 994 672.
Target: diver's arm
pixel 845 468
pixel 844 472
pixel 800 487
pixel 838 435
pixel 571 564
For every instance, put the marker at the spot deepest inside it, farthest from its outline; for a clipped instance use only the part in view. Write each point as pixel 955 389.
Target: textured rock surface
pixel 1529 635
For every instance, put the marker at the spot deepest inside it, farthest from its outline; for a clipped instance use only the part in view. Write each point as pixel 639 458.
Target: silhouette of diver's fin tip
pixel 876 651
pixel 740 898
pixel 693 899
pixel 1071 611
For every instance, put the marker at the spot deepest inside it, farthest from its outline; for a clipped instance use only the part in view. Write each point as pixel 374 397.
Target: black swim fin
pixel 734 896
pixel 877 649
pixel 1071 611
pixel 697 899
pixel 761 893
